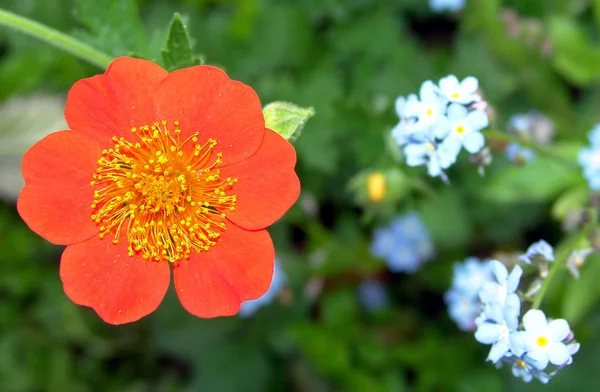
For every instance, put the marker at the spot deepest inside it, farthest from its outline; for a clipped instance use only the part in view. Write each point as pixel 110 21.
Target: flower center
pixel 460 129
pixel 455 95
pixel 430 147
pixel 521 363
pixel 542 341
pixel 429 112
pixel 167 194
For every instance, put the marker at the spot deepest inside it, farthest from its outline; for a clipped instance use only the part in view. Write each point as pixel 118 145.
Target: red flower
pixel 160 168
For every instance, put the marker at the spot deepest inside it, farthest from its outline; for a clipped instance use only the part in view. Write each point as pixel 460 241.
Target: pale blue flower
pixel 437 156
pixel 446 5
pixel 589 159
pixel 250 307
pixel 577 259
pixel 525 369
pixel 405 244
pixel 464 127
pixel 544 339
pixel 463 299
pixel 407 126
pixel 538 251
pixel 463 308
pixel 372 294
pixel 500 329
pixel 470 276
pixel 464 92
pixel 594 135
pixel 502 287
pixel 429 109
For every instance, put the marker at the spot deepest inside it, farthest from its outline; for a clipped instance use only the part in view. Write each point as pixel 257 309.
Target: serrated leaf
pixel 287 119
pixel 178 51
pixel 114 27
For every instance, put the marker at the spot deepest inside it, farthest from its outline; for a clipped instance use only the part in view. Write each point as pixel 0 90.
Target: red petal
pixel 120 288
pixel 267 185
pixel 203 291
pixel 56 200
pixel 203 99
pixel 238 268
pixel 111 104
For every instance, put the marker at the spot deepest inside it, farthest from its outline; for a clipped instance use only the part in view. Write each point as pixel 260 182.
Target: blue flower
pixel 462 299
pixel 464 127
pixel 464 92
pixel 450 5
pixel 437 156
pixel 463 309
pixel 404 244
pixel 499 328
pixel 250 307
pixel 372 294
pixel 428 110
pixel 524 369
pixel 538 251
pixel 502 287
pixel 407 126
pixel 470 276
pixel 544 339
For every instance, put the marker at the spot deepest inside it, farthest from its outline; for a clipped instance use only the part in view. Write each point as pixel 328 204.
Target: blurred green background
pixel 349 59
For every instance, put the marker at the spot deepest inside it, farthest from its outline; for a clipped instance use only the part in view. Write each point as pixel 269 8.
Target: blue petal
pixel 456 112
pixel 487 333
pixel 513 279
pixel 498 351
pixel 474 142
pixel 477 120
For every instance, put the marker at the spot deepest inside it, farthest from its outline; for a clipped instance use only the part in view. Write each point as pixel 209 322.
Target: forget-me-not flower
pixel 446 5
pixel 463 92
pixel 589 159
pixel 503 285
pixel 463 298
pixel 405 244
pixel 464 127
pixel 524 369
pixel 250 307
pixel 544 339
pixel 538 251
pixel 499 328
pixel 437 156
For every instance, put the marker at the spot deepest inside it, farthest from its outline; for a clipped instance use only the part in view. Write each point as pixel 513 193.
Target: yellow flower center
pixel 430 147
pixel 376 186
pixel 460 129
pixel 542 341
pixel 521 363
pixel 429 112
pixel 455 95
pixel 167 194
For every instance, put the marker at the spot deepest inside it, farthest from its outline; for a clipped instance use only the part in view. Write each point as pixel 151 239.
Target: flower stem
pixel 562 258
pixel 55 38
pixel 506 137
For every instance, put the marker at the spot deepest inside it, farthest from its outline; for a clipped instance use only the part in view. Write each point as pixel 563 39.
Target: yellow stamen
pixel 166 194
pixel 542 341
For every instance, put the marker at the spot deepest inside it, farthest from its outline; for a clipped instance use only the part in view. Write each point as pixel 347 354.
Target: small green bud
pixel 286 118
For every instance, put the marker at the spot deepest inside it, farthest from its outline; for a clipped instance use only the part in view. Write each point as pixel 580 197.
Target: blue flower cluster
pixel 438 123
pixel 277 283
pixel 446 5
pixel 405 244
pixel 484 297
pixel 589 159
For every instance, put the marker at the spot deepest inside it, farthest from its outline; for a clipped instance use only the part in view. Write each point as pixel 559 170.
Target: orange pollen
pixel 166 194
pixel 521 363
pixel 542 341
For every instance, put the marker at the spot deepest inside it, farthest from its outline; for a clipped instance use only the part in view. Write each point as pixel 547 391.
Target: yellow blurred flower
pixel 376 186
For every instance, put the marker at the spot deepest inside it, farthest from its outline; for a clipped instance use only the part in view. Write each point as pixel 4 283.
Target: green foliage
pixel 178 52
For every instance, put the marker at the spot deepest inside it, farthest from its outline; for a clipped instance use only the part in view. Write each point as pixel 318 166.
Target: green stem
pixel 506 137
pixel 561 259
pixel 55 38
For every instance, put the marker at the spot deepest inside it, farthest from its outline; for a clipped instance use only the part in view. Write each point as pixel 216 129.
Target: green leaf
pixel 286 118
pixel 572 200
pixel 531 183
pixel 114 27
pixel 581 295
pixel 573 55
pixel 178 53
